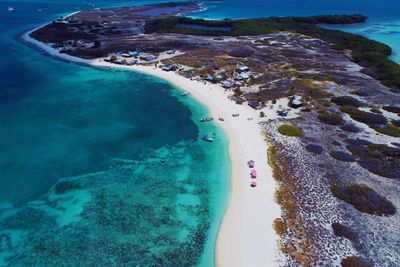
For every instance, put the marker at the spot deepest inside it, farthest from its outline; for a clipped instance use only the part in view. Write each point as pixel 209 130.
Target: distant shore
pixel 246 236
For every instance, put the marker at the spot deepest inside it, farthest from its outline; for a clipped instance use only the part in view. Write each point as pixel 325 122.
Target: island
pixel 316 109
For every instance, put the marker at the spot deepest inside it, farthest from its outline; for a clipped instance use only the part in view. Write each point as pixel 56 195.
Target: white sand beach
pixel 246 237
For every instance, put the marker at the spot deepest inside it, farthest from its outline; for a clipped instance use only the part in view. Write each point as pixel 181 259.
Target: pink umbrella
pixel 251 163
pixel 253 174
pixel 253 184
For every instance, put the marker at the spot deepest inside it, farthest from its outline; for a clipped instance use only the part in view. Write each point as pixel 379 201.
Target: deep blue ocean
pixel 102 167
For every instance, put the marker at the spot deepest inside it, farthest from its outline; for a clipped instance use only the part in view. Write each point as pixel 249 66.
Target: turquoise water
pixel 386 31
pixel 101 167
pixel 105 168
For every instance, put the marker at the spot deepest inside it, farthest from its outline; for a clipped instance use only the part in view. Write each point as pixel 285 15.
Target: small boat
pixel 250 119
pixel 253 174
pixel 221 119
pixel 251 163
pixel 185 94
pixel 10 9
pixel 253 184
pixel 235 115
pixel 207 119
pixel 207 138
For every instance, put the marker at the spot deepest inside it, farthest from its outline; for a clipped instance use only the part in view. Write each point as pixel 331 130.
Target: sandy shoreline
pixel 246 236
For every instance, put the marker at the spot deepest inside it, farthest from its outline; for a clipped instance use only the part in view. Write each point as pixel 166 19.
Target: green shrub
pixel 359 93
pixel 344 231
pixel 379 159
pixel 113 59
pixel 237 92
pixel 350 128
pixel 330 118
pixel 390 129
pixel 396 123
pixel 290 130
pixel 326 104
pixel 364 116
pixel 313 89
pixel 345 101
pixel 375 110
pixel 392 109
pixel 364 199
pixel 342 156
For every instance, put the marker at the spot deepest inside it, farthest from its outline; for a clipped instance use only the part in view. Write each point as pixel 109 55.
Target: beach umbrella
pixel 251 163
pixel 253 184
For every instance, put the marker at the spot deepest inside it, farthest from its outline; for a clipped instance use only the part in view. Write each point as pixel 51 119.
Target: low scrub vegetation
pixel 350 128
pixel 369 118
pixel 346 101
pixel 344 231
pixel 354 261
pixel 279 226
pixel 330 118
pixel 313 89
pixel 392 109
pixel 396 123
pixel 376 110
pixel 390 129
pixel 379 159
pixel 359 92
pixel 364 199
pixel 237 92
pixel 342 156
pixel 376 121
pixel 315 148
pixel 371 54
pixel 290 130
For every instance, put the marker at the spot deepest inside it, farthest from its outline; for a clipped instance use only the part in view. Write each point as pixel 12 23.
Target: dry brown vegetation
pixel 279 226
pixel 354 261
pixel 301 246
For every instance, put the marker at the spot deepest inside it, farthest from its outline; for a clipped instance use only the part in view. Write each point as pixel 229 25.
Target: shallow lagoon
pixel 101 166
pixel 135 183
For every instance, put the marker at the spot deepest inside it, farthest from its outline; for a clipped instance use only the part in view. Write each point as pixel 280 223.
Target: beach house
pixel 228 84
pixel 242 69
pixel 295 102
pixel 170 67
pixel 254 104
pixel 148 57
